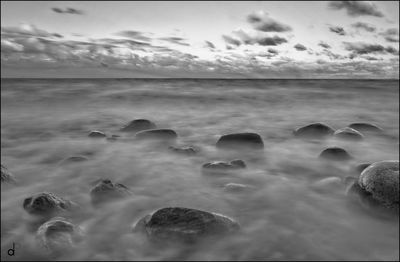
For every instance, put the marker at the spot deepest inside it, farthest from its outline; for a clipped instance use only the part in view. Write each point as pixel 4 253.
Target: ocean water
pixel 285 215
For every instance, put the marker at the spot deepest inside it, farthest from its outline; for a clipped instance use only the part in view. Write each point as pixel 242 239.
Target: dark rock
pixel 105 191
pixel 46 203
pixel 221 166
pixel 348 133
pixel 314 131
pixel 381 181
pixel 6 176
pixel 240 140
pixel 358 169
pixel 162 134
pixel 335 153
pixel 365 127
pixel 58 235
pixel 238 163
pixel 138 125
pixel 178 223
pixel 97 134
pixel 187 150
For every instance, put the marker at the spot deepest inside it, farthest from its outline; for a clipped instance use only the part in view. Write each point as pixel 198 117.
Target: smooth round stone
pixel 187 150
pixel 366 127
pixel 46 204
pixel 6 176
pixel 241 140
pixel 138 125
pixel 74 159
pixel 187 224
pixel 105 191
pixel 335 153
pixel 348 133
pixel 381 181
pixel 314 131
pixel 96 134
pixel 58 235
pixel 162 134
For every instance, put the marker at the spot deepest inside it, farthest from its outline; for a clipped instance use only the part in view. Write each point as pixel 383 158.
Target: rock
pixel 365 127
pixel 358 169
pixel 58 235
pixel 335 153
pixel 187 150
pixel 314 131
pixel 138 125
pixel 74 159
pixel 179 223
pixel 46 203
pixel 240 140
pixel 234 187
pixel 97 134
pixel 158 134
pixel 224 166
pixel 348 133
pixel 6 176
pixel 105 191
pixel 381 181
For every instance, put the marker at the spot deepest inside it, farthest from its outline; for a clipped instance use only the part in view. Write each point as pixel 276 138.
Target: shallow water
pixel 285 215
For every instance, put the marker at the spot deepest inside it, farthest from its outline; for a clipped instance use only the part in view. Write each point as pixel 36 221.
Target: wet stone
pixel 314 131
pixel 138 125
pixel 240 141
pixel 157 134
pixel 224 166
pixel 44 204
pixel 105 191
pixel 366 127
pixel 348 133
pixel 335 153
pixel 97 134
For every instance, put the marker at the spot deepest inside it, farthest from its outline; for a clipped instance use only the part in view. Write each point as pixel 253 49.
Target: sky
pixel 200 39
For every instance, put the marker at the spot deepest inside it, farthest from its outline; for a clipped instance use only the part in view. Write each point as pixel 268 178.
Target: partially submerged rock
pixel 314 131
pixel 6 176
pixel 235 187
pixel 348 133
pixel 97 134
pixel 105 191
pixel 138 125
pixel 186 150
pixel 157 134
pixel 359 168
pixel 221 166
pixel 58 235
pixel 184 224
pixel 241 141
pixel 366 127
pixel 335 153
pixel 44 204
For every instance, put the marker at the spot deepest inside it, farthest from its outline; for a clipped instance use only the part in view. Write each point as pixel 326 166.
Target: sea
pixel 286 213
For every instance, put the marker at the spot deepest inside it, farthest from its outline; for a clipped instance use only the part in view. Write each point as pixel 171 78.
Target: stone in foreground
pixel 138 125
pixel 58 235
pixel 96 134
pixel 366 127
pixel 348 133
pixel 314 131
pixel 105 191
pixel 335 153
pixel 6 176
pixel 157 134
pixel 185 224
pixel 44 204
pixel 241 140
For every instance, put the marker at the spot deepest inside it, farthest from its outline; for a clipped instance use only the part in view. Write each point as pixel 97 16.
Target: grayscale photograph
pixel 200 130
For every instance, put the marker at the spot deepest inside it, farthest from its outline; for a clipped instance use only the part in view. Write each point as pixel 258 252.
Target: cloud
pixel 232 41
pixel 210 45
pixel 324 45
pixel 300 47
pixel 175 40
pixel 364 26
pixel 271 41
pixel 337 29
pixel 262 22
pixel 67 10
pixel 26 30
pixel 134 35
pixel 391 35
pixel 361 48
pixel 356 8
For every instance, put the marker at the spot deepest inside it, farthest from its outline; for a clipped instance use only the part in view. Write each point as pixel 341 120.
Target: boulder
pixel 6 176
pixel 96 134
pixel 44 204
pixel 157 134
pixel 314 131
pixel 185 224
pixel 335 153
pixel 186 150
pixel 105 191
pixel 348 133
pixel 241 140
pixel 138 125
pixel 381 181
pixel 58 235
pixel 366 127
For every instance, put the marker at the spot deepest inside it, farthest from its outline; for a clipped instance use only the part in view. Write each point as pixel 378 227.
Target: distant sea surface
pixel 285 216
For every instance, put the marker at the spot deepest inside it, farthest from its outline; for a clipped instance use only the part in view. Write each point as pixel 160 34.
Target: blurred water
pixel 283 217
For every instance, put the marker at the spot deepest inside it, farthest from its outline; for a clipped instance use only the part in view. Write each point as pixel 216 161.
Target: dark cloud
pixel 67 10
pixel 364 26
pixel 300 47
pixel 231 40
pixel 337 29
pixel 210 45
pixel 262 22
pixel 273 51
pixel 271 41
pixel 356 8
pixel 134 35
pixel 331 55
pixel 360 48
pixel 26 30
pixel 324 45
pixel 391 35
pixel 175 40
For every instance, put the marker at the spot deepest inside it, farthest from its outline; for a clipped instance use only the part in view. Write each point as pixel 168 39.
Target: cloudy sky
pixel 259 39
